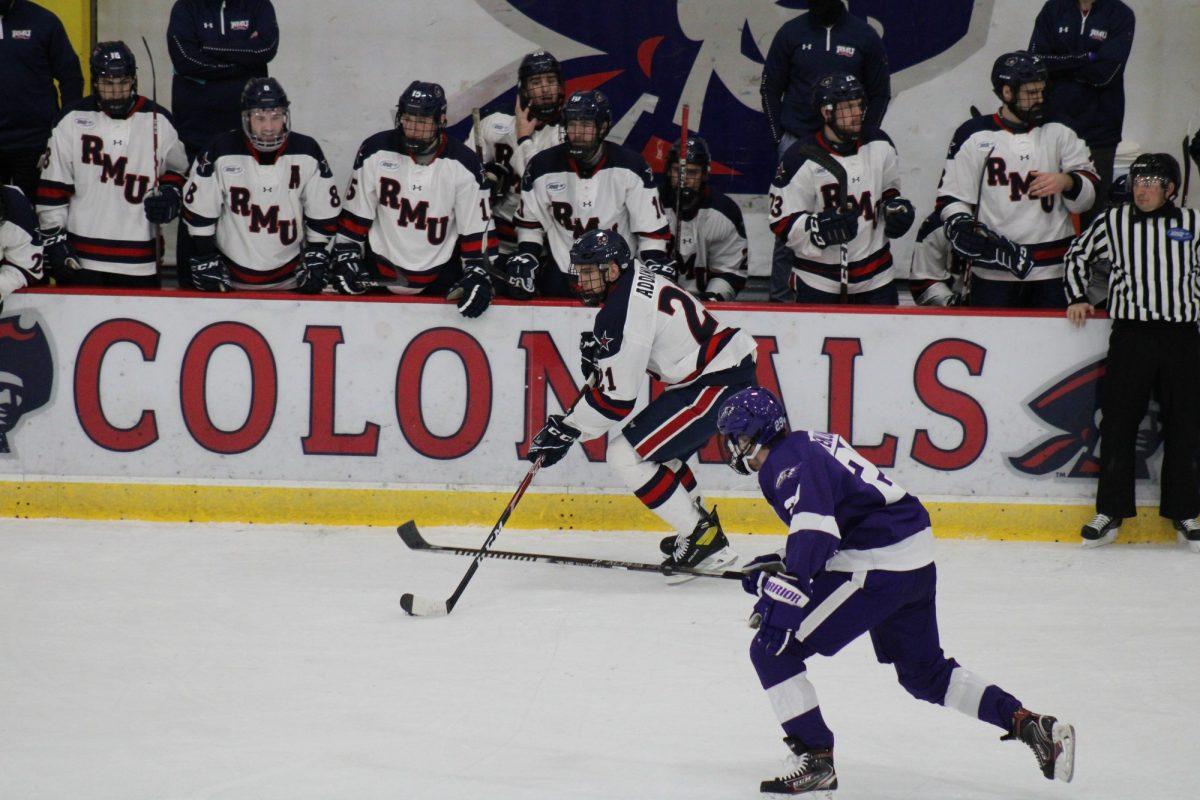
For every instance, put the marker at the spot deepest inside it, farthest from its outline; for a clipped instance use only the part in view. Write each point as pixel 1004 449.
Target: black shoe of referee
pixel 1100 531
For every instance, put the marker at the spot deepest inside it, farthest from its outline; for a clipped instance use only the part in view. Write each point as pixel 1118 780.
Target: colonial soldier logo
pixel 26 374
pixel 1071 406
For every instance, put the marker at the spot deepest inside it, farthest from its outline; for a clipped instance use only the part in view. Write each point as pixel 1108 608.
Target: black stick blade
pixel 411 536
pixel 423 607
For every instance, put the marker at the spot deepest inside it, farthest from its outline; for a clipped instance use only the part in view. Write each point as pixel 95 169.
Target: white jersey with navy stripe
pixel 262 208
pixel 1006 158
pixel 712 246
pixel 98 171
pixel 649 325
pixel 20 246
pixel 803 188
pixel 561 199
pixel 499 144
pixel 414 213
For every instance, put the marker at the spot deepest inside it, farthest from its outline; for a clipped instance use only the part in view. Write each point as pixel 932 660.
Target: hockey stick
pixel 965 295
pixel 1187 171
pixel 154 131
pixel 415 541
pixel 834 168
pixel 424 607
pixel 681 176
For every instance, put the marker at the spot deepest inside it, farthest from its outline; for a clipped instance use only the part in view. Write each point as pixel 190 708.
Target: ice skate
pixel 1052 742
pixel 1100 531
pixel 705 548
pixel 1188 532
pixel 811 775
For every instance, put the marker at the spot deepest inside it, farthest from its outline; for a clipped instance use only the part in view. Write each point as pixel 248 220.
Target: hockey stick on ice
pixel 426 607
pixel 833 167
pixel 413 538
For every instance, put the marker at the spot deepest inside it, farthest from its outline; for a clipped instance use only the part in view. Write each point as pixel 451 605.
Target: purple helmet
pixel 756 414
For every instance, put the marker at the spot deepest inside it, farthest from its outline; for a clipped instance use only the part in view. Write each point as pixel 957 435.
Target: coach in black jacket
pixel 34 53
pixel 216 46
pixel 1084 45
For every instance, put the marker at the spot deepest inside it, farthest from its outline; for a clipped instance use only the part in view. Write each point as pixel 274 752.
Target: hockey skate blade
pixel 422 607
pixel 722 559
pixel 1064 738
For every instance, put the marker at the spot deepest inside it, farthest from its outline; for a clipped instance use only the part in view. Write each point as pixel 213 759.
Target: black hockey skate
pixel 1188 531
pixel 812 773
pixel 1101 530
pixel 1052 742
pixel 704 548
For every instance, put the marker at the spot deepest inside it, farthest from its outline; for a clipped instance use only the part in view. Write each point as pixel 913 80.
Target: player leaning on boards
pixel 583 184
pixel 510 141
pixel 261 204
pixel 1001 188
pixel 834 255
pixel 1154 302
pixel 709 244
pixel 20 246
pixel 96 201
pixel 858 559
pixel 419 202
pixel 648 325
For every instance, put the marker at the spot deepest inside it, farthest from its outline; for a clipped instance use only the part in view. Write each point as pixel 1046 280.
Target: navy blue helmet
pixel 536 63
pixel 754 414
pixel 698 154
pixel 113 60
pixel 601 248
pixel 422 99
pixel 261 94
pixel 590 106
pixel 839 88
pixel 1014 70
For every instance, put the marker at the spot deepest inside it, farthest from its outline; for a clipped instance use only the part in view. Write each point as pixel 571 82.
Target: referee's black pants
pixel 1145 357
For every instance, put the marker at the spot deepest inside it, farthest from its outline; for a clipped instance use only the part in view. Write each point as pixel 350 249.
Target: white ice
pixel 223 661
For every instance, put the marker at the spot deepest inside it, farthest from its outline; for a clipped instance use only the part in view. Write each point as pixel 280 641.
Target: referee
pixel 1154 302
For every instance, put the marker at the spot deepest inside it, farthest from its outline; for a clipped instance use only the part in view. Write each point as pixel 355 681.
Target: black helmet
pixel 1162 166
pixel 590 106
pixel 260 94
pixel 540 62
pixel 1014 70
pixel 838 88
pixel 422 99
pixel 114 60
pixel 598 247
pixel 697 153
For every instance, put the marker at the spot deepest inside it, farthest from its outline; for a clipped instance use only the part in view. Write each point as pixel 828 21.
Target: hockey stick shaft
pixel 413 538
pixel 1187 171
pixel 154 143
pixel 680 177
pixel 834 168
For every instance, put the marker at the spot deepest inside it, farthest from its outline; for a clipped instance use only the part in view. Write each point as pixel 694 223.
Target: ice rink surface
pixel 222 661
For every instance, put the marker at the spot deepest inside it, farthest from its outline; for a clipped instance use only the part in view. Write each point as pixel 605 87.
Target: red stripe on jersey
pixel 713 346
pixel 172 179
pixel 131 250
pixel 675 424
pixel 353 226
pixel 663 234
pixel 658 489
pixel 613 409
pixel 243 275
pixel 46 192
pixel 784 225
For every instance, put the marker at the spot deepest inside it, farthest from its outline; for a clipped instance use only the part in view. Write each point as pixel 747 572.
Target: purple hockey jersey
pixel 843 514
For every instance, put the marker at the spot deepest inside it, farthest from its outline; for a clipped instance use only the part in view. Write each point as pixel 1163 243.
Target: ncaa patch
pixel 389 165
pixel 556 187
pixel 1179 234
pixel 232 169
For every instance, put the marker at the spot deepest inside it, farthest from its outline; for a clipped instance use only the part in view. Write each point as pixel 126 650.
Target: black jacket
pixel 216 46
pixel 34 52
pixel 803 52
pixel 1085 57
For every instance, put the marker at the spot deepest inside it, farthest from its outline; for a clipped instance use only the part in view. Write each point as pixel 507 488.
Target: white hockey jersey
pixel 416 216
pixel 500 144
pixel 649 325
pixel 561 199
pixel 712 245
pixel 802 188
pixel 97 172
pixel 1006 158
pixel 20 246
pixel 263 208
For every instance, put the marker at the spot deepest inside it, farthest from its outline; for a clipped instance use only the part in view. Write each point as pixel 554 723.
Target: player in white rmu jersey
pixel 510 141
pixel 841 252
pixel 1011 183
pixel 96 199
pixel 583 184
pixel 711 255
pixel 649 325
pixel 20 245
pixel 261 205
pixel 418 200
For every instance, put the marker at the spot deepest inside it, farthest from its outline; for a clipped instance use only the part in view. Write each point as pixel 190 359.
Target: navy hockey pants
pixel 897 609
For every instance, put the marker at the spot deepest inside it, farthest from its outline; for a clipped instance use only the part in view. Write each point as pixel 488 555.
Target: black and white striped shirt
pixel 1155 263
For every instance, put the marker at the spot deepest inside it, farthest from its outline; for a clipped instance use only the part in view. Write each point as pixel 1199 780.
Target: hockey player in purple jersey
pixel 858 559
